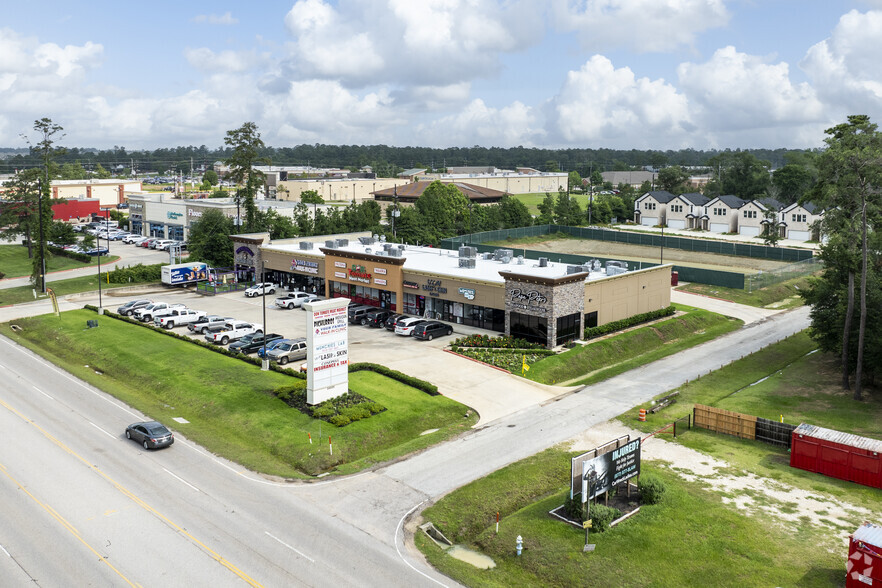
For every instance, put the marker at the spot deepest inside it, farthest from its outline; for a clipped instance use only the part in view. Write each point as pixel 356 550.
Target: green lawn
pixel 21 294
pixel 229 403
pixel 690 539
pixel 14 262
pixel 532 201
pixel 783 295
pixel 608 357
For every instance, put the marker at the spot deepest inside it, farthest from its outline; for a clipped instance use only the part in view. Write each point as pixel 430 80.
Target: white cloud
pixel 512 125
pixel 205 59
pixel 845 68
pixel 215 19
pixel 644 25
pixel 739 91
pixel 427 43
pixel 602 105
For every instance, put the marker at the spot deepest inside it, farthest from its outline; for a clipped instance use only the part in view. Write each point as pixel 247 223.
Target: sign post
pixel 327 353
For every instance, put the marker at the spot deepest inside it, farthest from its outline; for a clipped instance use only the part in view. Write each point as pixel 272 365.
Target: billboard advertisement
pixel 327 341
pixel 603 472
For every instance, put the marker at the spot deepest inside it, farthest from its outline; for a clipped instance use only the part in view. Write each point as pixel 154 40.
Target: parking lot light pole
pixel 265 365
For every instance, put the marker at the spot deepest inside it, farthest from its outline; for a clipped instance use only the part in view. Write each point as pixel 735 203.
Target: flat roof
pixel 432 260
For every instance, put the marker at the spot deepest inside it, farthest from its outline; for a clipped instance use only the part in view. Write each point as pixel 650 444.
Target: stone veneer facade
pixel 549 298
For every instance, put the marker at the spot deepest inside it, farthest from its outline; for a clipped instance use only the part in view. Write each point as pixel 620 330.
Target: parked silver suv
pixel 292 350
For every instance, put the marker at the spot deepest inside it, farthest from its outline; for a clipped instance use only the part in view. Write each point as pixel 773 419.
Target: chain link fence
pixel 782 274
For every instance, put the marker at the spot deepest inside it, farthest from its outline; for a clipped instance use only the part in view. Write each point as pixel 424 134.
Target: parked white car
pixel 233 331
pixel 259 289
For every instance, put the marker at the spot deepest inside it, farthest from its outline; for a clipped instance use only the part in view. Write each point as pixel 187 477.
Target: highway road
pixel 84 506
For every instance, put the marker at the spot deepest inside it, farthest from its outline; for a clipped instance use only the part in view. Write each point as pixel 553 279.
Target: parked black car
pixel 150 434
pixel 377 318
pixel 251 343
pixel 429 330
pixel 392 321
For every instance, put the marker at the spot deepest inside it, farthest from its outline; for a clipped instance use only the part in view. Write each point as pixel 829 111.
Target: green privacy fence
pixel 686 273
pixel 648 239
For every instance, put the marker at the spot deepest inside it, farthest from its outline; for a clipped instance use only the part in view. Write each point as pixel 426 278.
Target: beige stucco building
pixel 107 192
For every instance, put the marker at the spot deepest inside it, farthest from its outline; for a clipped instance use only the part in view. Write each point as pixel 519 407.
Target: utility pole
pixel 42 242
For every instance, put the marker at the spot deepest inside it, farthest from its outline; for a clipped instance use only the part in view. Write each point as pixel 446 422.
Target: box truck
pixel 182 274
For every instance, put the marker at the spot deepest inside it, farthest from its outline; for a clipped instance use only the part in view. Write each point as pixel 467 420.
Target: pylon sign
pixel 327 353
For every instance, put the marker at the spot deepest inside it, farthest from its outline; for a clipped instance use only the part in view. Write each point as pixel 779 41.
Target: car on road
pixel 209 324
pixel 405 327
pixel 291 299
pixel 377 318
pixel 132 305
pixel 270 346
pixel 251 343
pixel 177 317
pixel 431 329
pixel 292 350
pixel 233 331
pixel 259 289
pixel 150 434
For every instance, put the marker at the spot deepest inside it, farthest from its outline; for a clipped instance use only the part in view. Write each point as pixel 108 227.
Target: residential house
pixel 800 222
pixel 686 210
pixel 651 209
pixel 756 216
pixel 722 213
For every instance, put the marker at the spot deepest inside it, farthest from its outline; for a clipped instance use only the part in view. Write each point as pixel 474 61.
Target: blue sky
pixel 642 74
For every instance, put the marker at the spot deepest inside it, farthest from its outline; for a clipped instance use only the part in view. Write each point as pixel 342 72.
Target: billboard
pixel 601 473
pixel 327 349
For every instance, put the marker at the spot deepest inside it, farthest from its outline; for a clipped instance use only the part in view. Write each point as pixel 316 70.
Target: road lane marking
pixel 397 549
pixel 136 499
pixel 179 479
pixel 100 429
pixel 4 551
pixel 300 553
pixel 43 393
pixel 64 523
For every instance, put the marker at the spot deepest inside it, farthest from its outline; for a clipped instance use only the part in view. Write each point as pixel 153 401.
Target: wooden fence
pixel 742 425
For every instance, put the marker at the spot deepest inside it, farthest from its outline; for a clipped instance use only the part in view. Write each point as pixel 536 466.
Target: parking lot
pixel 491 392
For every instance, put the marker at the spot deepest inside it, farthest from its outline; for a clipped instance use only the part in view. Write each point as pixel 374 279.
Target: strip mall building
pixel 542 301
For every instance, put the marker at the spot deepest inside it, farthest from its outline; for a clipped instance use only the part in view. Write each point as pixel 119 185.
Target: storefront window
pixel 531 328
pixel 567 328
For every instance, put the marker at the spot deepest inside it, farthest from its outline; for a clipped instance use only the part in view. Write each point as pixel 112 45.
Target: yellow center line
pixel 64 523
pixel 125 491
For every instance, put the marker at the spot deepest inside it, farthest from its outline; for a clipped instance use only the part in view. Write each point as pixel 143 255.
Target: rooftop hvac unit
pixel 367 250
pixel 342 242
pixel 613 270
pixel 306 245
pixel 468 251
pixel 488 256
pixel 499 254
pixel 574 269
pixel 596 265
pixel 543 262
pixel 395 252
pixel 467 262
pixel 586 268
pixel 520 260
pixel 331 244
pixel 382 238
pixel 380 252
pixel 375 237
pixel 366 240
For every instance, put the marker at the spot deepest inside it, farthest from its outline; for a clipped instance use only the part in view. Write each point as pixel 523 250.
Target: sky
pixel 620 74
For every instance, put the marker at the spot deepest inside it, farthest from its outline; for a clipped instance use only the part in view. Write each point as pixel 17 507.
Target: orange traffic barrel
pixel 642 416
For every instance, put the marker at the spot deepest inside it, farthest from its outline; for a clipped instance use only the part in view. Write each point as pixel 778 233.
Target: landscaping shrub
pixel 573 506
pixel 511 360
pixel 601 516
pixel 652 489
pixel 136 273
pixel 614 326
pixel 71 254
pixel 338 420
pixel 500 342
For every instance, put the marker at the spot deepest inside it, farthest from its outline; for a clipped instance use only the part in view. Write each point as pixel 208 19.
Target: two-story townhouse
pixel 685 211
pixel 756 216
pixel 651 209
pixel 800 222
pixel 722 213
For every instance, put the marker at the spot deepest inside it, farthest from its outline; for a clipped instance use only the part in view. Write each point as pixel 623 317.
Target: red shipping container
pixel 837 454
pixel 864 565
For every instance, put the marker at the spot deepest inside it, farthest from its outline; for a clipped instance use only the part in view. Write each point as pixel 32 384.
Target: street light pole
pixel 265 365
pixel 42 242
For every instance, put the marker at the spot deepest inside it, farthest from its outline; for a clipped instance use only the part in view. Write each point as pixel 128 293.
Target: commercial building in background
pixel 523 180
pixel 538 300
pixel 109 193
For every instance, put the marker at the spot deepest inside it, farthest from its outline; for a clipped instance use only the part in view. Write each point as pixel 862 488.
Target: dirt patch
pixel 643 253
pixel 751 494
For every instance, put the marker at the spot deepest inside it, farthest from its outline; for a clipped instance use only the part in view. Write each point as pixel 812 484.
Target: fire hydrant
pixel 520 543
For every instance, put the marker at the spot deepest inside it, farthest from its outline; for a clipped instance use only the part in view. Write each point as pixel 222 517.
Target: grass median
pixel 21 294
pixel 611 356
pixel 230 404
pixel 15 262
pixel 785 295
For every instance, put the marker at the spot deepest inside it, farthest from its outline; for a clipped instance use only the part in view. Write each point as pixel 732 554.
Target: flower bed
pixel 339 411
pixel 500 342
pixel 511 360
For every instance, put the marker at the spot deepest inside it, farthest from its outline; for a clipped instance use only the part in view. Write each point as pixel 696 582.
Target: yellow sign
pixel 586 524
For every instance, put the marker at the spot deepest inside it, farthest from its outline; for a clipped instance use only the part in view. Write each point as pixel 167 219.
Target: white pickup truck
pixel 233 331
pixel 146 314
pixel 176 317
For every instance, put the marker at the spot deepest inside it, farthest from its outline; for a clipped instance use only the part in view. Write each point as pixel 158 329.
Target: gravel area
pixel 751 494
